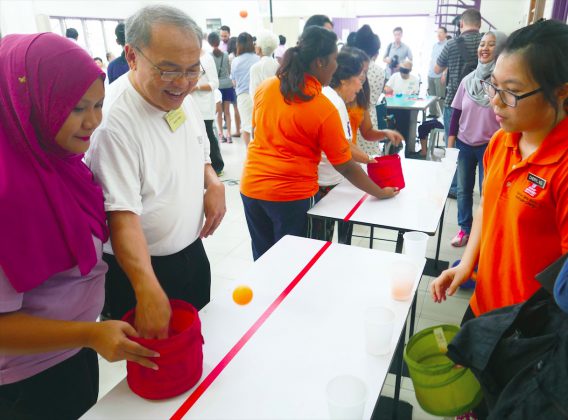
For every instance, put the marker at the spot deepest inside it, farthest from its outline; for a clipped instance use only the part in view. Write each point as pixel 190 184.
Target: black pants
pixel 185 275
pixel 64 391
pixel 215 151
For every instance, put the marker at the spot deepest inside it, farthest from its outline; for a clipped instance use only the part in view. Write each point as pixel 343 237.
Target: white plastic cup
pixel 402 280
pixel 415 244
pixel 346 397
pixel 379 324
pixel 452 154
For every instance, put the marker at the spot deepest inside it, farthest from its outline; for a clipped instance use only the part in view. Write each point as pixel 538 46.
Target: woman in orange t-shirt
pixel 521 225
pixel 293 123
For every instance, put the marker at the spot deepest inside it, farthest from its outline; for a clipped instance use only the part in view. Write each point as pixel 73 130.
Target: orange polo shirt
pixel 356 114
pixel 282 160
pixel 525 217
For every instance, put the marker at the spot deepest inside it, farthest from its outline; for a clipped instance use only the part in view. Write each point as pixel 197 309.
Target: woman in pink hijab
pixel 52 226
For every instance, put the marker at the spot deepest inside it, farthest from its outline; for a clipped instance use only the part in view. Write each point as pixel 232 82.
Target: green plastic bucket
pixel 441 389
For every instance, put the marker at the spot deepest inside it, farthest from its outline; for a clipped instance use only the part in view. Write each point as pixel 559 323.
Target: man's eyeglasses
pixel 170 76
pixel 507 97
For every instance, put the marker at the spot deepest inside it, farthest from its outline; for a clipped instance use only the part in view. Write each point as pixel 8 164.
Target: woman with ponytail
pixel 293 123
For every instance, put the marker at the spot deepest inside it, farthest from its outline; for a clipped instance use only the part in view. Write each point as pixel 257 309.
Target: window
pixel 95 35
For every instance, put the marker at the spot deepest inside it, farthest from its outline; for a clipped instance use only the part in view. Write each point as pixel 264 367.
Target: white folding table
pixel 273 357
pixel 418 207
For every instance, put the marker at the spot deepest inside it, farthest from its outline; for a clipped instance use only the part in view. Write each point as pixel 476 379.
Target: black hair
pixel 315 42
pixel 225 28
pixel 398 28
pixel 317 20
pixel 119 32
pixel 471 17
pixel 543 42
pixel 245 43
pixel 365 39
pixel 363 98
pixel 72 33
pixel 350 38
pixel 443 28
pixel 232 45
pixel 282 39
pixel 448 37
pixel 350 62
pixel 98 59
pixel 213 39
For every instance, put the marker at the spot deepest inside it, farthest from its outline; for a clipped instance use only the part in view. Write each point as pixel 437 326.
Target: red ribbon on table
pixel 202 387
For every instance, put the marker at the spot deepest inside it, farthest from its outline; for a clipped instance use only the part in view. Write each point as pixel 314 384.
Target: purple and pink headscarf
pixel 50 206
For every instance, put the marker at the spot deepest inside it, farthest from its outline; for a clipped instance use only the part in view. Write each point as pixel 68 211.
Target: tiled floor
pixel 229 253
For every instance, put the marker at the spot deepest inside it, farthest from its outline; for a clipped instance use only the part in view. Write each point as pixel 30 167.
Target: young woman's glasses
pixel 507 97
pixel 170 76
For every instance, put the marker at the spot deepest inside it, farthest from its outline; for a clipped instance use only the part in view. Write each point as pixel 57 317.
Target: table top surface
pixel 314 333
pixel 417 207
pixel 410 101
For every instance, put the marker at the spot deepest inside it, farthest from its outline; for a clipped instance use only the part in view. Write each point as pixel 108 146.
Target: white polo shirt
pixel 145 168
pixel 327 175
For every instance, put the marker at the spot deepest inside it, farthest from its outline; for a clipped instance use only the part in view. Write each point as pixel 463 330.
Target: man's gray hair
pixel 267 41
pixel 139 25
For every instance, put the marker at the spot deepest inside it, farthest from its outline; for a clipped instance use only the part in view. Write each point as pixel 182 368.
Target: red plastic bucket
pixel 387 172
pixel 181 356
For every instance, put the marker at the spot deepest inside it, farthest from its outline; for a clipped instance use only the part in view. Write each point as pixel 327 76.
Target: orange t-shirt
pixel 356 114
pixel 282 160
pixel 525 217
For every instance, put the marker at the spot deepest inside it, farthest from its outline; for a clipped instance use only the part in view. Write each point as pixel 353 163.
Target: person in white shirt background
pixel 266 44
pixel 204 95
pixel 402 82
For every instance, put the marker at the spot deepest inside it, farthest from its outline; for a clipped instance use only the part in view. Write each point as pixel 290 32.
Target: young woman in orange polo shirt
pixel 521 225
pixel 293 123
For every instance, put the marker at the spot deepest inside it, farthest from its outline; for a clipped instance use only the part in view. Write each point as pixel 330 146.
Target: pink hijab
pixel 50 205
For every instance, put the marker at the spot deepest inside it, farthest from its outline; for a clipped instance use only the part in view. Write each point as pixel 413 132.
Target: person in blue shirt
pixel 118 66
pixel 240 75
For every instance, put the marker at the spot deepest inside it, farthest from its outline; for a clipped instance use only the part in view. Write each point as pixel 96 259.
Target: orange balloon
pixel 243 13
pixel 242 295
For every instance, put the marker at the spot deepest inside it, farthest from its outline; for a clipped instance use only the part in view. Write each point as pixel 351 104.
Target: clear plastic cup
pixel 402 280
pixel 379 324
pixel 346 397
pixel 452 154
pixel 415 244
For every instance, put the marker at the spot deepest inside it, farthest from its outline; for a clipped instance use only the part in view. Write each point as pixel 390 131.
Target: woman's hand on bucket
pixel 110 340
pixel 448 282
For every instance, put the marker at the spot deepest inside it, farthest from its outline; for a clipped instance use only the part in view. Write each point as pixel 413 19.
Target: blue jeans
pixel 469 158
pixel 447 119
pixel 269 221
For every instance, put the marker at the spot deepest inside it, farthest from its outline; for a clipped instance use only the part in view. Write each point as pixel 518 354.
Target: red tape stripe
pixel 198 392
pixel 355 207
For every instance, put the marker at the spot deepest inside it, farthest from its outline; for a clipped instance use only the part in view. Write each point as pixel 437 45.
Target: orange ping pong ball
pixel 242 295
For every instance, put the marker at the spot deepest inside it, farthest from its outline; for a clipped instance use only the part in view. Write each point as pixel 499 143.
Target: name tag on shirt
pixel 536 180
pixel 175 118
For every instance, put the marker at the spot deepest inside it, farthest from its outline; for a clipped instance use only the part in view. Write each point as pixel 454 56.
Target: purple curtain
pixel 339 24
pixel 560 10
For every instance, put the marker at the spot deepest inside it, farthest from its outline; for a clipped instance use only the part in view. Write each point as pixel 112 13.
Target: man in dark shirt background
pixel 451 58
pixel 118 66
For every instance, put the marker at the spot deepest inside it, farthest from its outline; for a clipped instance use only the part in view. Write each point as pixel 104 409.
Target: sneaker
pixel 229 139
pixel 223 139
pixel 460 239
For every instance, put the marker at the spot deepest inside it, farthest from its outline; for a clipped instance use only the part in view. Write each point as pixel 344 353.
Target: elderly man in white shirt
pixel 266 44
pixel 151 157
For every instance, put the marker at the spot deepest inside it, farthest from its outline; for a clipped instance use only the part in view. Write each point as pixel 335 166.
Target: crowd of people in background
pixel 122 221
